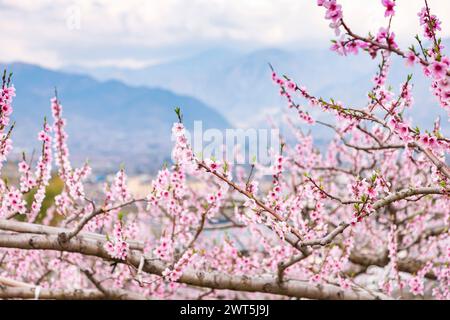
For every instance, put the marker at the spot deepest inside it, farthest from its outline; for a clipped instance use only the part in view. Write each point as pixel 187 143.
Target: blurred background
pixel 120 67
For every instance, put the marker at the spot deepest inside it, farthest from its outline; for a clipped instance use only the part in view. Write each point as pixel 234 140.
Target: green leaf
pixel 374 177
pixel 225 166
pixel 179 114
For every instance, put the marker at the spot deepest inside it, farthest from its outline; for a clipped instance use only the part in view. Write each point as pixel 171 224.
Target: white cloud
pixel 134 32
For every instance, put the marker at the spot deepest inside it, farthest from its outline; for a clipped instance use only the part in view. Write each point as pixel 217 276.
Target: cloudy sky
pixel 136 33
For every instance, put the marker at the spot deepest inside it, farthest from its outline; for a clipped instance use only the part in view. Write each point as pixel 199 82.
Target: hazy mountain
pixel 108 122
pixel 239 85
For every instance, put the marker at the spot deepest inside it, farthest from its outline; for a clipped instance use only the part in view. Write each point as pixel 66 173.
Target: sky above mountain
pixel 138 33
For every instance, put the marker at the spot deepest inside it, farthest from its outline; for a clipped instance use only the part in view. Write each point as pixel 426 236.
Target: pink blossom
pixel 381 173
pixel 178 129
pixel 438 70
pixel 176 272
pixel 12 203
pixel 389 5
pixel 333 13
pixel 250 203
pixel 410 58
pixel 117 247
pixel 291 85
pixel 430 23
pixel 213 165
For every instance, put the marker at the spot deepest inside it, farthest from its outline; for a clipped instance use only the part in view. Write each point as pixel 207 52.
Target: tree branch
pixel 54 294
pixel 403 194
pixel 213 280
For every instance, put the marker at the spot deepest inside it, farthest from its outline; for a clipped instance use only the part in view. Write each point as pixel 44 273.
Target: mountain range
pixel 238 84
pixel 117 115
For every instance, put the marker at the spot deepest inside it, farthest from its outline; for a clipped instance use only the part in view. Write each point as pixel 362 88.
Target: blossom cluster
pixel 43 171
pixel 116 246
pixel 12 203
pixel 6 96
pixel 27 181
pixel 173 274
pixel 119 188
pixel 416 283
pixel 62 158
pixel 333 13
pixel 182 153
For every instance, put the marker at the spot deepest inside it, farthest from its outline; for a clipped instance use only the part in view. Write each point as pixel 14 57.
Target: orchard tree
pixel 366 219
